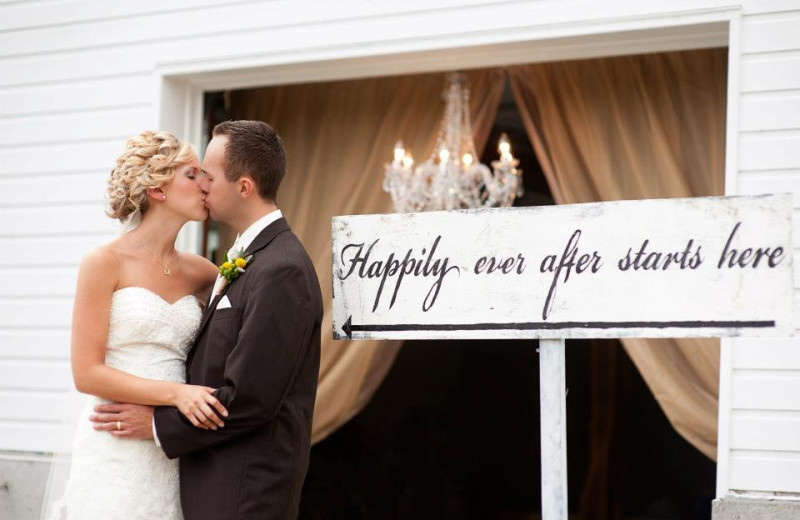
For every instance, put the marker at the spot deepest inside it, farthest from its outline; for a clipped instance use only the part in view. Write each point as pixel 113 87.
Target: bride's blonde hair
pixel 149 161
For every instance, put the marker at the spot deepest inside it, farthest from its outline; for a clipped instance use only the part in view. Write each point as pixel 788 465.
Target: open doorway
pixel 453 431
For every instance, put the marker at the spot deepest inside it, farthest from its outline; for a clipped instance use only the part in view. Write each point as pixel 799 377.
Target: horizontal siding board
pixel 765 390
pixel 41 375
pixel 50 250
pixel 770 72
pixel 770 111
pixel 770 431
pixel 777 33
pixel 41 314
pixel 16 436
pixel 768 7
pixel 27 15
pixel 82 95
pixel 32 406
pixel 56 220
pixel 53 282
pixel 75 127
pixel 53 158
pixel 770 150
pixel 53 189
pixel 766 353
pixel 34 344
pixel 761 182
pixel 764 471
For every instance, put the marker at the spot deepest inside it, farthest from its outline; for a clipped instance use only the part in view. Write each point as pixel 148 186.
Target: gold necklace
pixel 165 267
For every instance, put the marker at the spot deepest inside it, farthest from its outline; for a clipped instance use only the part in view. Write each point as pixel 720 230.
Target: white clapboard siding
pixel 771 471
pixel 772 32
pixel 35 343
pixel 35 375
pixel 761 182
pixel 57 220
pixel 50 282
pixel 30 436
pixel 765 389
pixel 766 354
pixel 81 157
pixel 52 189
pixel 759 430
pixel 35 314
pixel 778 150
pixel 50 250
pixel 20 405
pixel 770 111
pixel 763 451
pixel 770 72
pixel 118 123
pixel 113 93
pixel 27 15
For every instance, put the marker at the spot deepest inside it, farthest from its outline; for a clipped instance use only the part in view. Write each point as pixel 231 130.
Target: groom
pixel 258 343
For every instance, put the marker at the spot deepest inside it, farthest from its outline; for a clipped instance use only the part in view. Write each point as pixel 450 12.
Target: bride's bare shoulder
pixel 100 267
pixel 112 259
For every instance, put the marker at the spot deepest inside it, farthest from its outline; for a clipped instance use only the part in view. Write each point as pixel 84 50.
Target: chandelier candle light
pixel 452 178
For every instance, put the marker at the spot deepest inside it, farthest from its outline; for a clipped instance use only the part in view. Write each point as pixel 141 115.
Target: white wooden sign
pixel 699 267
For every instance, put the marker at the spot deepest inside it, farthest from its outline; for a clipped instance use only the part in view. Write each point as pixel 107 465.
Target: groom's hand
pixel 132 421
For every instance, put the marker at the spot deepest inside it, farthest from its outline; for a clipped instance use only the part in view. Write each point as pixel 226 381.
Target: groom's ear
pixel 247 187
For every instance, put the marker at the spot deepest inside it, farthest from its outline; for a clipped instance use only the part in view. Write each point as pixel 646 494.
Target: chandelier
pixel 452 178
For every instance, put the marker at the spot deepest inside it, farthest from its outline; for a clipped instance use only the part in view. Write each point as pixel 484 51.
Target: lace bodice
pixel 148 336
pixel 120 478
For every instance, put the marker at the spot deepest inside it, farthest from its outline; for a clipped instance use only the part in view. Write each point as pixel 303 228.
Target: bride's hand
pixel 196 402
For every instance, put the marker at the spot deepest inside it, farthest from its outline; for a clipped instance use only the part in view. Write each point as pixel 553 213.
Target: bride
pixel 137 309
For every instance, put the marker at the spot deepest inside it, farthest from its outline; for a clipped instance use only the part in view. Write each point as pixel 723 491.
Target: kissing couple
pixel 202 379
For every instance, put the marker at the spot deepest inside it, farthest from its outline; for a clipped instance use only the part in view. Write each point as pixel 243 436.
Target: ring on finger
pixel 119 425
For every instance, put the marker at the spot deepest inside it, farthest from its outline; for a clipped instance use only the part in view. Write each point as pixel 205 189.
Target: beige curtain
pixel 338 136
pixel 635 127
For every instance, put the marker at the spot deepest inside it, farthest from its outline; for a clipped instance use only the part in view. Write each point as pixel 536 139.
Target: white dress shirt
pixel 242 241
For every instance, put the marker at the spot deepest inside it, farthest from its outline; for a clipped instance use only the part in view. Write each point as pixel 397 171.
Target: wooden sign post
pixel 701 267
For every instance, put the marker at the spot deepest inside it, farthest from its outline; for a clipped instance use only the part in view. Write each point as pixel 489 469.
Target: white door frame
pixel 180 87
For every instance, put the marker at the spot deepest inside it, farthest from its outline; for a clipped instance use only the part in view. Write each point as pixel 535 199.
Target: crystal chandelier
pixel 452 178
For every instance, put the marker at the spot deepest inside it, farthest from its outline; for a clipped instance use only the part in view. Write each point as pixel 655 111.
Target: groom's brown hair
pixel 256 150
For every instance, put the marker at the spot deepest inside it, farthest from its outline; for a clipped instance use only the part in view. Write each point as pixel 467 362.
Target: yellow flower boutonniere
pixel 235 265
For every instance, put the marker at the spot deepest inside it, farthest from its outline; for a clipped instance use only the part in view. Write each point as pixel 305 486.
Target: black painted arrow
pixel 349 328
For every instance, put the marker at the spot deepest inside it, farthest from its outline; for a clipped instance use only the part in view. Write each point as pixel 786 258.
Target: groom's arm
pixel 276 327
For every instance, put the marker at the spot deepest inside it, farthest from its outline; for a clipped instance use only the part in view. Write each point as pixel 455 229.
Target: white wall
pixel 760 416
pixel 78 77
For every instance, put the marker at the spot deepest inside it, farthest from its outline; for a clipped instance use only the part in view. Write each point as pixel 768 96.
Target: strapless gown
pixel 131 479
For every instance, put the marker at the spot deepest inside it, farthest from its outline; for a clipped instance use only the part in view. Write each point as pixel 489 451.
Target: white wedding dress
pixel 131 479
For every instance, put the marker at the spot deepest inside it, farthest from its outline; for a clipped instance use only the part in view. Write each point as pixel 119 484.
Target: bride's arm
pixel 97 281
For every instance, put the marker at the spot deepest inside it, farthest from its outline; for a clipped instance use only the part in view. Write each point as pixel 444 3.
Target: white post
pixel 553 413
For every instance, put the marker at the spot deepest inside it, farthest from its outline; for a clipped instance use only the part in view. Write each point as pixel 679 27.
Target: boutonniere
pixel 235 265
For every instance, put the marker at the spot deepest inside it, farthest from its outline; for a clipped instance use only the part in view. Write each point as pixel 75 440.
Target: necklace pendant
pixel 166 270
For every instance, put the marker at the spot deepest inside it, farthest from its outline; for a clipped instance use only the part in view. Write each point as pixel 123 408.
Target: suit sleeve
pixel 277 324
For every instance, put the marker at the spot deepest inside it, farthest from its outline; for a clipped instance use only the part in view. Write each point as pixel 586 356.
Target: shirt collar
pixel 245 239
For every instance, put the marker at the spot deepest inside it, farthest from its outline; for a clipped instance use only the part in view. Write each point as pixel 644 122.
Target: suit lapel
pixel 260 242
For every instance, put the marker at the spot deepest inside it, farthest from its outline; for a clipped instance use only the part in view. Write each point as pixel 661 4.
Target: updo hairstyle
pixel 149 161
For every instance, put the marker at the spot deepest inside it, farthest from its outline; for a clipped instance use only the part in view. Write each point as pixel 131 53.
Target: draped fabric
pixel 636 127
pixel 338 137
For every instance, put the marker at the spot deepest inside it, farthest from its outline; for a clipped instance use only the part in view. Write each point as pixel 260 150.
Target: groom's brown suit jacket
pixel 262 354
